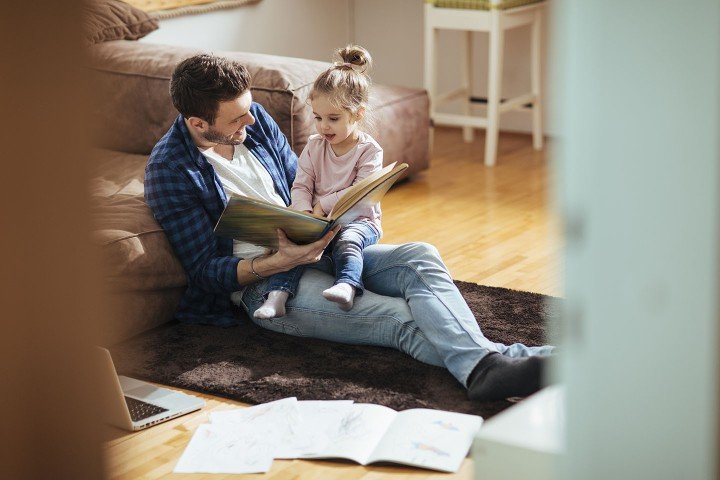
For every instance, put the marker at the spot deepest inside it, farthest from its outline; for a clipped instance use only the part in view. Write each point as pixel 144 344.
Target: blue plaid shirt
pixel 187 198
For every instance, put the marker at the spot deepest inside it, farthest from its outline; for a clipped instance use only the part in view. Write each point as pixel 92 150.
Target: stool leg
pixel 468 132
pixel 430 69
pixel 494 87
pixel 535 52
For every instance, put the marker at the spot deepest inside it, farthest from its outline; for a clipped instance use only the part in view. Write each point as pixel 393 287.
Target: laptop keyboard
pixel 140 410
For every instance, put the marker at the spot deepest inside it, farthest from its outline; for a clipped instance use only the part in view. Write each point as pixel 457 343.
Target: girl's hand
pixel 317 210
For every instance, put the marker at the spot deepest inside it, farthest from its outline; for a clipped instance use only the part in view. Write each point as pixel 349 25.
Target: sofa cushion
pixel 135 251
pixel 106 20
pixel 132 312
pixel 144 279
pixel 402 125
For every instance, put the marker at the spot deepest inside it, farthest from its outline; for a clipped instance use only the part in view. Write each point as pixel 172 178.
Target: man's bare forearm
pixel 262 266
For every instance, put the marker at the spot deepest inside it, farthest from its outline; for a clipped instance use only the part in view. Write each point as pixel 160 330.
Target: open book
pixel 433 439
pixel 364 433
pixel 256 221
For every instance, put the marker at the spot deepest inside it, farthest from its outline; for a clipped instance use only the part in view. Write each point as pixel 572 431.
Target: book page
pixel 224 449
pixel 369 197
pixel 355 433
pixel 360 189
pixel 426 438
pixel 277 423
pixel 320 419
pixel 356 190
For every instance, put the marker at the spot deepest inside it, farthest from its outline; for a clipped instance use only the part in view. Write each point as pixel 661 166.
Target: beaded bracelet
pixel 252 269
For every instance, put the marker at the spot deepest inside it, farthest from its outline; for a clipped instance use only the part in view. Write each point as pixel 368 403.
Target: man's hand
pixel 291 255
pixel 317 210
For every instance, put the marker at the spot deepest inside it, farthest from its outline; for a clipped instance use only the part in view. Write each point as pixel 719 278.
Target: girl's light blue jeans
pixel 346 251
pixel 410 304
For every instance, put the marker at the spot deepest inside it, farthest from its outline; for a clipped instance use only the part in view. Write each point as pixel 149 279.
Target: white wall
pixel 639 172
pixel 306 29
pixel 392 30
pixel 393 33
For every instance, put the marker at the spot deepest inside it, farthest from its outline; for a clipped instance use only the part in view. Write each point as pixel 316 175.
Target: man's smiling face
pixel 230 122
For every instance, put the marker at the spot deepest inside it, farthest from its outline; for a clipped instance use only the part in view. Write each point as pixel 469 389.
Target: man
pixel 182 189
pixel 223 143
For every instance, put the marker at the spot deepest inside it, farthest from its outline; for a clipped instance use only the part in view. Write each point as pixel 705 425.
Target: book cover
pixel 256 221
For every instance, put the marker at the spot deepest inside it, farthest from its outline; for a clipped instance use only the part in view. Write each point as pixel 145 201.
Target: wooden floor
pixel 494 226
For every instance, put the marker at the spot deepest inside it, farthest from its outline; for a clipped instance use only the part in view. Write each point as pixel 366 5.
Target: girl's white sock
pixel 341 293
pixel 274 306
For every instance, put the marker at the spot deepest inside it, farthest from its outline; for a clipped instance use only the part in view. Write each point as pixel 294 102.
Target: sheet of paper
pixel 428 438
pixel 223 449
pixel 278 423
pixel 355 432
pixel 320 419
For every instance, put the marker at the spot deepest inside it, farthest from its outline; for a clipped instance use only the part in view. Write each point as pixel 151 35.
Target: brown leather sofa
pixel 133 110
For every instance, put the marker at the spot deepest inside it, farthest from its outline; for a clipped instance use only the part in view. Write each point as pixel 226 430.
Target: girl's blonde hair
pixel 346 83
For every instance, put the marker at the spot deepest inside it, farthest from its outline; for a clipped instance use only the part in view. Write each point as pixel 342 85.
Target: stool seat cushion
pixel 481 4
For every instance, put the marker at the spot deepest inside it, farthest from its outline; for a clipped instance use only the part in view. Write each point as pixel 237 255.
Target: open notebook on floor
pixel 247 440
pixel 133 404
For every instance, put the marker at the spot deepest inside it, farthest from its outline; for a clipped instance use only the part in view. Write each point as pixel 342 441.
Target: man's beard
pixel 213 136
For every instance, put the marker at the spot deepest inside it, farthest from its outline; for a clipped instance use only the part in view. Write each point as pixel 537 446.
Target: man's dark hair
pixel 201 82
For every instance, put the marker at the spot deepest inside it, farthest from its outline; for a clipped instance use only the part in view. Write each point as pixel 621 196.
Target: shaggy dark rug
pixel 253 365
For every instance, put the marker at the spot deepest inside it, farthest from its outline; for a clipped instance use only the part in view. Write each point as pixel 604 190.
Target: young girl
pixel 339 156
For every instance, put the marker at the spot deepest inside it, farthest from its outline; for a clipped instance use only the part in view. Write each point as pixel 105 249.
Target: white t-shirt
pixel 244 175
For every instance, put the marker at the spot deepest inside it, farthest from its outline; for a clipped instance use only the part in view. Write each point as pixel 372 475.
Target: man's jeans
pixel 347 257
pixel 411 304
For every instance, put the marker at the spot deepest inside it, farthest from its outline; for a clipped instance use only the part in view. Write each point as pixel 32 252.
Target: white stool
pixel 494 16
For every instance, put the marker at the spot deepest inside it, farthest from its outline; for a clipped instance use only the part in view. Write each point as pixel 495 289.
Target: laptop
pixel 133 404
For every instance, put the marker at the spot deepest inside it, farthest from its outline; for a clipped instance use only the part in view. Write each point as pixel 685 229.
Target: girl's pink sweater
pixel 323 176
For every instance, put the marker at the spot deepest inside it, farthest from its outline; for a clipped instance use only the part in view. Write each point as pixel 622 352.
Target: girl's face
pixel 337 125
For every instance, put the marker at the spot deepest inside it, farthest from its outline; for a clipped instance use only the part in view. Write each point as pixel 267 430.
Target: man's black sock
pixel 496 377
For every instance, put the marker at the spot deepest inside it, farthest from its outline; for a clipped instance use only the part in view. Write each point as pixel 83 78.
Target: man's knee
pixel 405 261
pixel 419 251
pixel 399 309
pixel 374 305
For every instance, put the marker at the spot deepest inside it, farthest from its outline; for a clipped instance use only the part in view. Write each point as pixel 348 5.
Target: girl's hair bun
pixel 354 56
